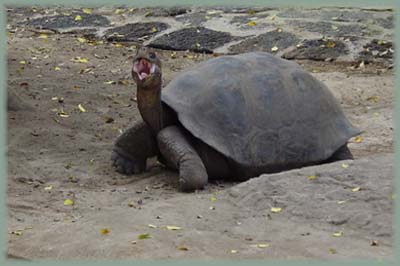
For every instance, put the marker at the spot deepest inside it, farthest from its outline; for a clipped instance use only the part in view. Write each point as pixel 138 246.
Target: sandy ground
pixel 53 158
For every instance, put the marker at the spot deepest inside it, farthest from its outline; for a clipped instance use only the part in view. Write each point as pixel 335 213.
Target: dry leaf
pixel 110 82
pixel 183 248
pixel 48 188
pixel 68 202
pixel 154 29
pixel 330 44
pixel 152 226
pixel 234 251
pixel 358 139
pixel 171 227
pixel 22 62
pixel 119 11
pixel 263 245
pixel 79 59
pixel 345 165
pixel 78 18
pixel 144 236
pixel 312 177
pixel 341 202
pixel 104 231
pixel 274 49
pixel 273 17
pixel 356 189
pixel 43 36
pixel 62 114
pixel 16 232
pixel 276 209
pixel 337 234
pixel 212 199
pixel 81 108
pixel 332 251
pixel 279 30
pixel 252 23
pixel 81 40
pixel 87 10
pixel 373 98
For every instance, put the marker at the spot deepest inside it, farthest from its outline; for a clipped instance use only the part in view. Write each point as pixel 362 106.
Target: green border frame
pixel 282 3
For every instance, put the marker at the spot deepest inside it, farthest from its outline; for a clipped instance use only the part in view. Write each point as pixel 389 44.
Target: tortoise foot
pixel 125 165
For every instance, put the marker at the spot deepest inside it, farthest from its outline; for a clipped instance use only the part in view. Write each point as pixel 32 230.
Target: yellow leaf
pixel 43 36
pixel 87 10
pixel 332 251
pixel 152 226
pixel 276 209
pixel 154 29
pixel 373 98
pixel 358 139
pixel 356 189
pixel 109 82
pixel 213 199
pixel 62 114
pixel 81 40
pixel 171 227
pixel 68 202
pixel 273 17
pixel 119 11
pixel 144 236
pixel 22 62
pixel 234 251
pixel 48 188
pixel 345 165
pixel 198 45
pixel 81 108
pixel 330 44
pixel 16 232
pixel 183 248
pixel 252 23
pixel 57 69
pixel 312 177
pixel 104 231
pixel 79 59
pixel 173 55
pixel 279 30
pixel 274 49
pixel 337 234
pixel 263 245
pixel 341 201
pixel 78 18
pixel 118 45
pixel 190 56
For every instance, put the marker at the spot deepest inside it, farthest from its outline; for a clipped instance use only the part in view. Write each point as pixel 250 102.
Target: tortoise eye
pixel 152 55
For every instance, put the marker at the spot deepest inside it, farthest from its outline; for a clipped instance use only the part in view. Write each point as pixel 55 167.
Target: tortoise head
pixel 146 70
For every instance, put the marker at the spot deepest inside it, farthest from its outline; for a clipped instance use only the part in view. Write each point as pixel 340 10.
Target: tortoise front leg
pixel 175 147
pixel 132 149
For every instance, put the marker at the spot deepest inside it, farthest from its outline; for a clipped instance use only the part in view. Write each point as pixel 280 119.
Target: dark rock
pixel 64 21
pixel 198 17
pixel 133 32
pixel 265 42
pixel 166 11
pixel 375 50
pixel 330 29
pixel 197 39
pixel 320 49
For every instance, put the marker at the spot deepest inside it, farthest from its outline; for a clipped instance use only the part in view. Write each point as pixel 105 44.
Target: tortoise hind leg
pixel 179 153
pixel 132 149
pixel 343 153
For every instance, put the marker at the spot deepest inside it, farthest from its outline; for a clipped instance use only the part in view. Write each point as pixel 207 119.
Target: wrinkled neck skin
pixel 150 106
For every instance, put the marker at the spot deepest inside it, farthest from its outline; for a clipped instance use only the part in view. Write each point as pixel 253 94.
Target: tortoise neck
pixel 150 106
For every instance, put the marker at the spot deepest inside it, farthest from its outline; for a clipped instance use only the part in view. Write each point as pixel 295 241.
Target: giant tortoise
pixel 232 117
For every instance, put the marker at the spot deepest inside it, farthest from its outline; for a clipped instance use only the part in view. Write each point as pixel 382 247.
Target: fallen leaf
pixel 330 44
pixel 104 231
pixel 279 30
pixel 183 248
pixel 274 49
pixel 119 11
pixel 273 17
pixel 212 199
pixel 57 68
pixel 234 251
pixel 337 234
pixel 87 10
pixel 79 59
pixel 110 82
pixel 341 202
pixel 22 62
pixel 16 232
pixel 262 245
pixel 173 55
pixel 78 18
pixel 252 23
pixel 198 45
pixel 356 189
pixel 81 108
pixel 312 177
pixel 118 44
pixel 144 236
pixel 123 82
pixel 276 209
pixel 152 226
pixel 43 36
pixel 332 251
pixel 68 202
pixel 373 98
pixel 345 165
pixel 171 227
pixel 81 40
pixel 358 139
pixel 48 188
pixel 154 29
pixel 190 56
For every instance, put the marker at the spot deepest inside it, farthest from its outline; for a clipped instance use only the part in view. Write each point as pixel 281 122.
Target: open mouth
pixel 143 68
